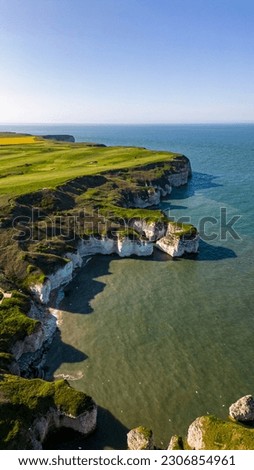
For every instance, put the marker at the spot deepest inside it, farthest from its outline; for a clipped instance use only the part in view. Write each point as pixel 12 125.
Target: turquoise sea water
pixel 159 342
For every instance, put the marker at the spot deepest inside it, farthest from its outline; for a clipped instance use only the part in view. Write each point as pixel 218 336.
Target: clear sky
pixel 126 61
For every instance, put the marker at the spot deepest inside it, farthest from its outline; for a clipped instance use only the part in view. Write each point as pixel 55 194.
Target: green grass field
pixel 27 168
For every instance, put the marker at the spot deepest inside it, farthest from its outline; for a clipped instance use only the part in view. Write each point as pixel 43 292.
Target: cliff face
pixel 30 353
pixel 176 247
pixel 171 244
pixel 49 406
pixel 152 230
pixel 62 275
pixel 30 343
pixel 158 186
pixel 123 247
pixel 61 138
pixel 85 424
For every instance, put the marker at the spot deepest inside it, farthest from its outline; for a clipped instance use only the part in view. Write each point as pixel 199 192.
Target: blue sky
pixel 126 61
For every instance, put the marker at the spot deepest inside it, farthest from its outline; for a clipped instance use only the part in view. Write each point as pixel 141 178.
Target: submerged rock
pixel 243 409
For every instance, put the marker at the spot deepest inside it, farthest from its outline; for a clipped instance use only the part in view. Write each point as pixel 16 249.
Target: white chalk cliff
pixel 163 235
pixel 85 423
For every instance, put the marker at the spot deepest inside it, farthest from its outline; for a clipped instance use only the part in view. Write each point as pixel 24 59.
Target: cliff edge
pixel 30 409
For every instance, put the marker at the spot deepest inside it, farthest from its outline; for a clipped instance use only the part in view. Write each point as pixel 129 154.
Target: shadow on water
pixel 198 182
pixel 99 265
pixel 59 353
pixel 209 252
pixel 110 434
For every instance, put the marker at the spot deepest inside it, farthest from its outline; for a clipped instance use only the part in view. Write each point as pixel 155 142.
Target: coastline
pixel 47 271
pixel 190 273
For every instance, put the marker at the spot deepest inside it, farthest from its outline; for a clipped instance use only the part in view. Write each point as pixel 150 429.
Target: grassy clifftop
pixel 23 401
pixel 211 433
pixel 25 168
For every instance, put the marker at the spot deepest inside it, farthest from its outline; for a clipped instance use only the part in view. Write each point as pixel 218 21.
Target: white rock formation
pixel 176 246
pixel 152 230
pixel 53 281
pixel 175 443
pixel 85 423
pixel 140 438
pixel 121 246
pixel 31 343
pixel 243 409
pixel 195 435
pixel 33 346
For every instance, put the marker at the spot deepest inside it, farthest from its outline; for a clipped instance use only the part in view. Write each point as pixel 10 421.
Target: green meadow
pixel 30 167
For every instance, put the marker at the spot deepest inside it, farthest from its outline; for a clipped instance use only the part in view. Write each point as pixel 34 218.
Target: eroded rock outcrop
pixel 60 138
pixel 140 438
pixel 151 229
pixel 175 443
pixel 63 275
pixel 176 246
pixel 31 352
pixel 243 409
pixel 122 246
pixel 211 433
pixel 195 434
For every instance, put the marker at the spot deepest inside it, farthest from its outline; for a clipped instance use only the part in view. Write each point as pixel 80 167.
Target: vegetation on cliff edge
pixel 14 323
pixel 22 401
pixel 225 435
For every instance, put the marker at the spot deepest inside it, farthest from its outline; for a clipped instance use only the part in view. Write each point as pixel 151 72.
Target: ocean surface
pixel 157 341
